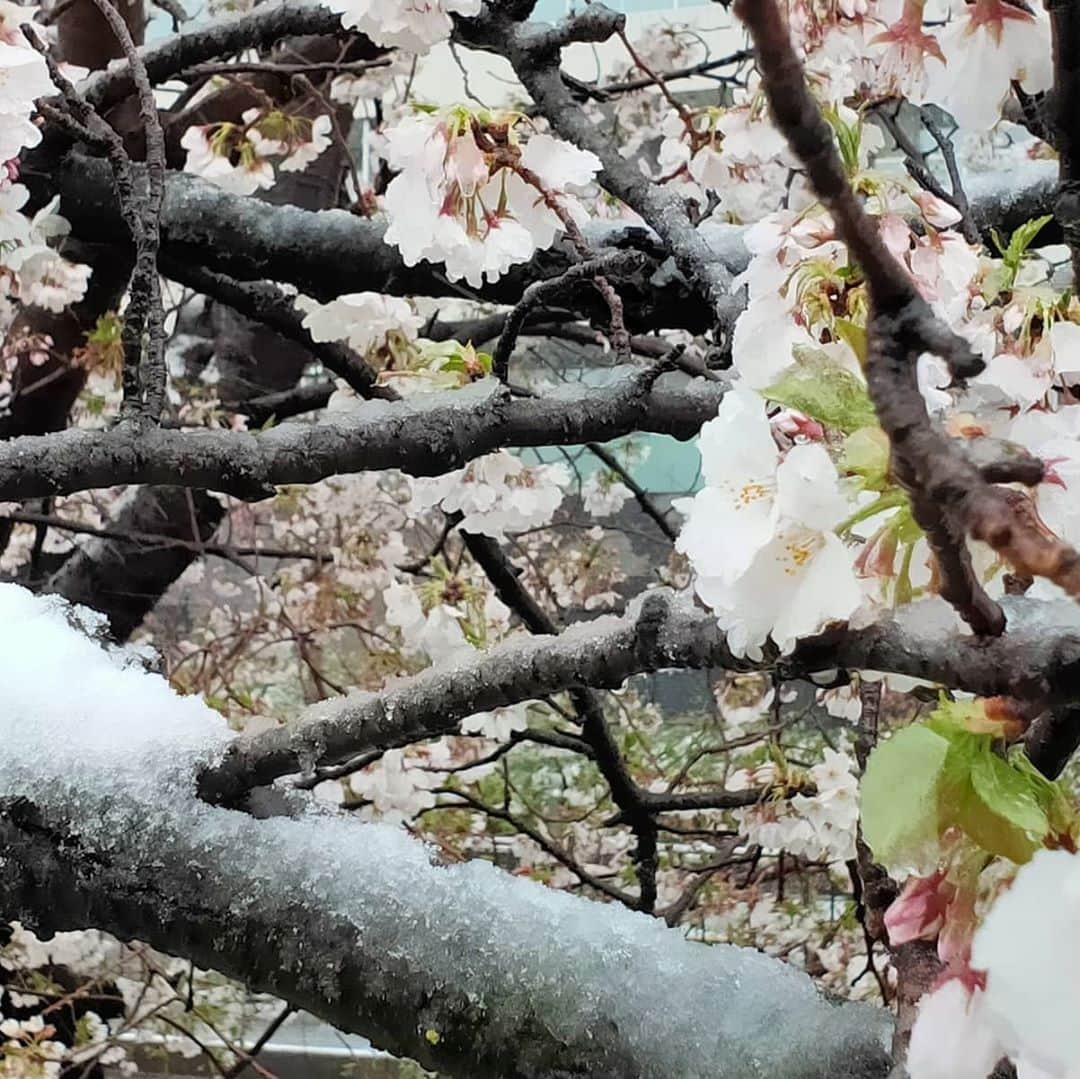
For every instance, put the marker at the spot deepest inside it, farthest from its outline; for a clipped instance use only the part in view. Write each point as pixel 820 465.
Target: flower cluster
pixel 474 193
pixel 32 270
pixel 239 157
pixel 495 494
pixel 412 25
pixel 821 825
pixel 761 532
pixel 384 331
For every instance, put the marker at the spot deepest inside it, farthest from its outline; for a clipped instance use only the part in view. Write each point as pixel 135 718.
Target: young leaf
pixel 818 386
pixel 899 797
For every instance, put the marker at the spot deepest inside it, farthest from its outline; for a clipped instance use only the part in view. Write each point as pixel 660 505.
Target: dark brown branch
pixel 541 292
pixel 605 91
pixel 163 539
pixel 267 304
pixel 553 850
pixel 642 497
pixel 223 36
pixel 1053 738
pixel 144 320
pixel 589 707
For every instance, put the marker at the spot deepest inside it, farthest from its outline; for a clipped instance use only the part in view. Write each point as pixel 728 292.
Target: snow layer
pixel 109 751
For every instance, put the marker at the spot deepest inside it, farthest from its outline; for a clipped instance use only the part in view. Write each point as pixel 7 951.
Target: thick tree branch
pixel 327 253
pixel 330 252
pixel 441 433
pixel 224 35
pixel 124 574
pixel 1038 659
pixel 470 970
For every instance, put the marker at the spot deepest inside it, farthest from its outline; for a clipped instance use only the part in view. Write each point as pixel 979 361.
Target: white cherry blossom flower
pixel 953 1037
pixel 413 25
pixel 363 319
pixel 470 195
pixel 14 225
pixel 210 157
pixel 47 279
pixel 24 77
pixel 306 151
pixel 604 496
pixel 759 532
pixel 734 515
pixel 902 50
pixel 496 494
pixel 987 46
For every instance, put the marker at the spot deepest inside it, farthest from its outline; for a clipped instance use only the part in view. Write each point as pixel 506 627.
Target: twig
pixel 175 11
pixel 221 550
pixel 540 292
pixel 602 93
pixel 261 67
pixel 643 498
pixel 1065 123
pixel 267 304
pixel 958 197
pixel 248 1058
pixel 144 372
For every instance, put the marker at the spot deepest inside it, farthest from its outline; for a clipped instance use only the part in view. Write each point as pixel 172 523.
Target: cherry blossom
pixel 986 47
pixel 761 528
pixel 1027 947
pixel 413 25
pixel 471 195
pixel 953 1037
pixel 603 495
pixel 496 494
pixel 366 320
pixel 905 48
pixel 211 150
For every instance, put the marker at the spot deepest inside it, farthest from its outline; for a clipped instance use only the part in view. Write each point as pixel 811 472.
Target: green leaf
pixel 995 804
pixel 1008 793
pixel 1003 278
pixel 1023 238
pixel 866 453
pixel 853 335
pixel 980 795
pixel 899 797
pixel 818 386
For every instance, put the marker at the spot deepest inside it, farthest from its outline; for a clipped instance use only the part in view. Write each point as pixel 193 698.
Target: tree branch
pixel 225 35
pixel 440 433
pixel 534 52
pixel 467 969
pixel 1038 659
pixel 1065 121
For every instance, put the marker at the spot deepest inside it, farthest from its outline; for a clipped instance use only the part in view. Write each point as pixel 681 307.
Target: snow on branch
pixel 466 968
pixel 1039 659
pixel 438 433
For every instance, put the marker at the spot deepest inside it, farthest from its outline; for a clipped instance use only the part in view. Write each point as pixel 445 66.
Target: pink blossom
pixel 918 912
